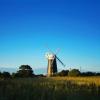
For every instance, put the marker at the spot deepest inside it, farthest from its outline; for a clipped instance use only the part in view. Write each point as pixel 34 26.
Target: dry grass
pixel 52 88
pixel 80 80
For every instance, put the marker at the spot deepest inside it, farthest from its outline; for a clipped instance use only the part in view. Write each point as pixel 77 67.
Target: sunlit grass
pixel 80 80
pixel 52 88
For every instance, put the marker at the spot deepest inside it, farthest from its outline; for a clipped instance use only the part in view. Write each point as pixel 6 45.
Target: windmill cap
pixel 50 56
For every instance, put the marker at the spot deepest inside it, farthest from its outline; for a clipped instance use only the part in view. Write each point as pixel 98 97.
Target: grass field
pixel 80 80
pixel 53 88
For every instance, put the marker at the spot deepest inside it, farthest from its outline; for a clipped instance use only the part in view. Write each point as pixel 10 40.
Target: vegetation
pixel 24 85
pixel 63 73
pixel 24 71
pixel 74 72
pixel 54 88
pixel 5 75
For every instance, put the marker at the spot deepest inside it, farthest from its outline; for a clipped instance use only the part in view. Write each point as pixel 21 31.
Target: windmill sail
pixel 60 61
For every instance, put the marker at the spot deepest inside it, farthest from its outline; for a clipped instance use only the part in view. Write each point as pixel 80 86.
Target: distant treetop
pixel 25 67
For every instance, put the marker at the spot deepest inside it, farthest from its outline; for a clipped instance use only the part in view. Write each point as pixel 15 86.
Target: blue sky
pixel 26 27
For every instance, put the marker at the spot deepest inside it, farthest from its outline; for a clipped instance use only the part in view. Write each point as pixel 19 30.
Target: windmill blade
pixel 49 49
pixel 57 51
pixel 60 61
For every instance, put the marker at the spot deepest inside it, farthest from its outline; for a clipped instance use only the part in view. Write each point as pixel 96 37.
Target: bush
pixel 63 73
pixel 74 72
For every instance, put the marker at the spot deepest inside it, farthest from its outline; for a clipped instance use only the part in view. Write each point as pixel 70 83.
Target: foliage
pixel 74 72
pixel 5 75
pixel 0 74
pixel 25 67
pixel 88 74
pixel 24 71
pixel 63 73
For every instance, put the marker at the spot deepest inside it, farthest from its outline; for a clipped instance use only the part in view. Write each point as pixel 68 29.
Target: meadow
pixel 52 88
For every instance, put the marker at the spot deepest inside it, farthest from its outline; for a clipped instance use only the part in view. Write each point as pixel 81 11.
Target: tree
pixel 5 75
pixel 88 74
pixel 0 74
pixel 63 73
pixel 25 71
pixel 74 72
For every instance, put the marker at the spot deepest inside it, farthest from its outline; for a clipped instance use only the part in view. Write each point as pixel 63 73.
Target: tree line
pixel 26 71
pixel 76 72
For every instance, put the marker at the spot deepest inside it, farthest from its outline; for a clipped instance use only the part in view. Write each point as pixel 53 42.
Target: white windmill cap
pixel 49 55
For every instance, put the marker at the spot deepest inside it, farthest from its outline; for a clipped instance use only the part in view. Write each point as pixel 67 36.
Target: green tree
pixel 0 74
pixel 74 72
pixel 5 75
pixel 25 71
pixel 63 73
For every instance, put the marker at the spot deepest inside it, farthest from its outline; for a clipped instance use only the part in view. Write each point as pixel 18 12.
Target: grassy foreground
pixel 54 88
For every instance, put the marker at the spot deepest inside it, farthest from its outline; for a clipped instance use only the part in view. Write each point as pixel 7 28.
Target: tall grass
pixel 80 80
pixel 57 88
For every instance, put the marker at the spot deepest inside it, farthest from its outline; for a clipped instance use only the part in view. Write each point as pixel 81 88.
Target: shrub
pixel 74 72
pixel 63 73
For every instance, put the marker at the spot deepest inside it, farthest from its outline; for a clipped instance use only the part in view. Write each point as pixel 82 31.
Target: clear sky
pixel 27 26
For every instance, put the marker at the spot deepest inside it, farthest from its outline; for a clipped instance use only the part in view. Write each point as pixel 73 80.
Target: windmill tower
pixel 52 63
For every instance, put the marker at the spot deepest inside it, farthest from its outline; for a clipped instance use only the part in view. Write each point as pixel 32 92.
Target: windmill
pixel 52 63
